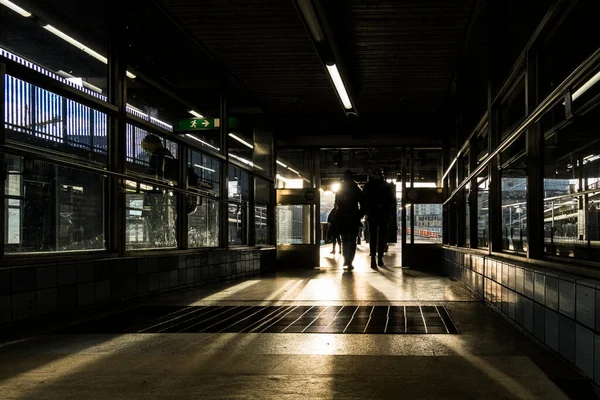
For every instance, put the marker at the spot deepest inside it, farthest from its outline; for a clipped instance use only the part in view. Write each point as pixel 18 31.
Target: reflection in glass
pixel 203 222
pixel 572 188
pixel 263 192
pixel 151 215
pixel 151 156
pixel 203 173
pixel 482 211
pixel 293 224
pixel 52 208
pixel 513 187
pixel 467 231
pixel 261 224
pixel 238 185
pixel 238 223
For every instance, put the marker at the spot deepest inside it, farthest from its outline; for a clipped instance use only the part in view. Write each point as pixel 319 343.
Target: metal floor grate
pixel 276 319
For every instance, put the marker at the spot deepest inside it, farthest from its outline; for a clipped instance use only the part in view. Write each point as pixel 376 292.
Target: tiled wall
pixel 562 311
pixel 40 290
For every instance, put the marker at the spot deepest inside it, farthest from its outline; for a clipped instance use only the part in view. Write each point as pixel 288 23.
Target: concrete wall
pixel 44 289
pixel 560 310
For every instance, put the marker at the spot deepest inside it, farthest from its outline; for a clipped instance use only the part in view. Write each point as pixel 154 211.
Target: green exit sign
pixel 202 124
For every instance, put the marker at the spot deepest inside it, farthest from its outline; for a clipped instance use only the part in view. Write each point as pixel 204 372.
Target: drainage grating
pixel 276 319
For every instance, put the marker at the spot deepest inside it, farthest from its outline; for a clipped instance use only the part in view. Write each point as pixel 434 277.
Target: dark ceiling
pixel 401 55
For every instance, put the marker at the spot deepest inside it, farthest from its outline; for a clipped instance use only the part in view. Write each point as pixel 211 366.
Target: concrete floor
pixel 488 359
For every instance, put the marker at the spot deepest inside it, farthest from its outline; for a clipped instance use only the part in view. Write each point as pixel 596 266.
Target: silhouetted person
pixel 379 200
pixel 160 157
pixel 334 228
pixel 348 198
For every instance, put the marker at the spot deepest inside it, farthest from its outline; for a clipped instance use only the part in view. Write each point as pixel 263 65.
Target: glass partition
pixel 483 210
pixel 238 207
pixel 151 217
pixel 40 118
pixel 428 223
pixel 514 197
pixel 51 208
pixel 293 224
pixel 263 193
pixel 77 61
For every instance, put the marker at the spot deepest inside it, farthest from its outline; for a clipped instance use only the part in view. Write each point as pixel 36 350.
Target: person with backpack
pixel 347 199
pixel 379 201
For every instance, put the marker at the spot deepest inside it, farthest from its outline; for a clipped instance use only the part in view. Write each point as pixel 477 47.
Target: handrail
pixel 16 150
pixel 478 127
pixel 541 109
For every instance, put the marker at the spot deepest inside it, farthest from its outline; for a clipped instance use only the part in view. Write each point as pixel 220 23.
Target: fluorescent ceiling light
pixel 281 178
pixel 15 8
pixel 339 86
pixel 76 43
pixel 282 164
pixel 293 170
pixel 579 92
pixel 78 81
pixel 311 19
pixel 196 114
pixel 201 141
pixel 81 46
pixel 161 122
pixel 200 166
pixel 241 141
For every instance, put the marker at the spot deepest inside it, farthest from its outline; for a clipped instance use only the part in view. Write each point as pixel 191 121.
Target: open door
pixel 422 243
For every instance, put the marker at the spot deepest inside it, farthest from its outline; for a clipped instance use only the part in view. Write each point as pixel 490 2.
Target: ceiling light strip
pixel 339 86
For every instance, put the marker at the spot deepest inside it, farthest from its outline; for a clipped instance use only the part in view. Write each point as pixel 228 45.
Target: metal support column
pixel 117 128
pixel 403 177
pixel 495 202
pixel 461 203
pixel 4 169
pixel 445 192
pixel 535 166
pixel 316 184
pixel 182 200
pixel 251 212
pixel 223 209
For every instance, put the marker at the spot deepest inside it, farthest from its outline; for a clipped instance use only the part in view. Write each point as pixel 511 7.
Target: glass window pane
pixel 263 152
pixel 513 194
pixel 512 110
pixel 467 231
pixel 238 184
pixel 44 47
pixel 43 119
pixel 262 197
pixel 151 217
pixel 204 173
pixel 293 224
pixel 261 224
pixel 151 156
pixel 238 223
pixel 428 223
pixel 54 208
pixel 482 210
pixel 572 186
pixel 203 222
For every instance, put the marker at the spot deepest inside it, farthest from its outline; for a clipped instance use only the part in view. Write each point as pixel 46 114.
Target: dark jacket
pixel 379 199
pixel 348 198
